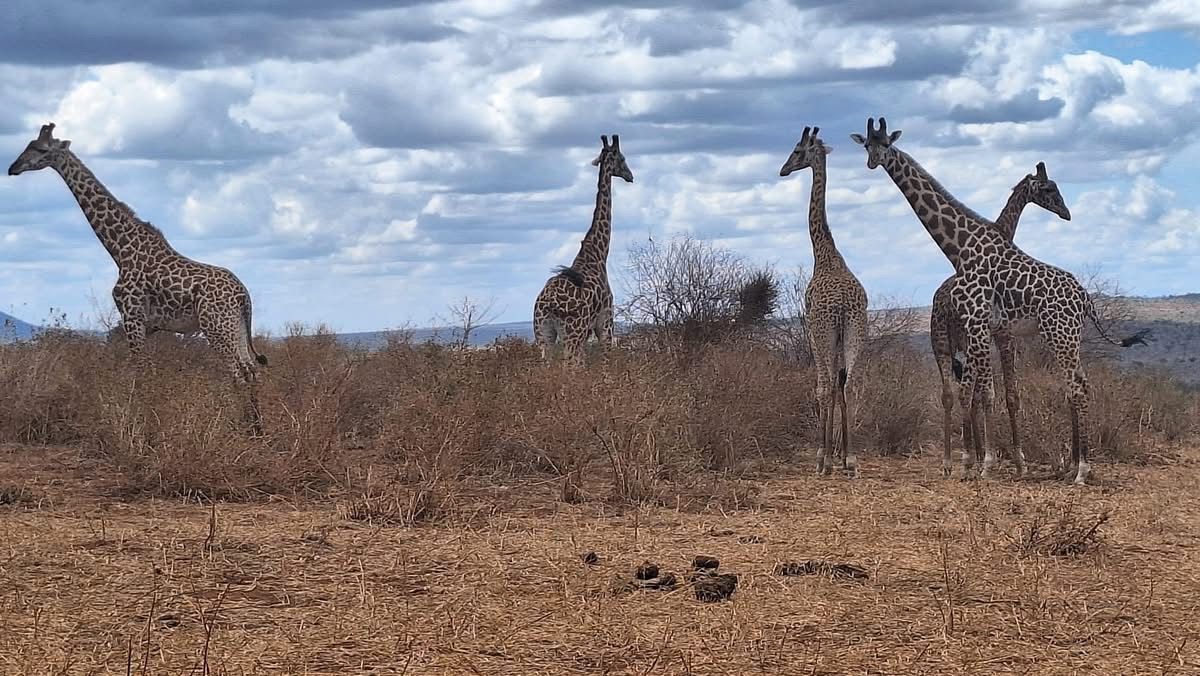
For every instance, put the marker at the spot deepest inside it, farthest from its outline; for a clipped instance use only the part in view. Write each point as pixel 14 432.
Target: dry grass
pixel 424 510
pixel 497 586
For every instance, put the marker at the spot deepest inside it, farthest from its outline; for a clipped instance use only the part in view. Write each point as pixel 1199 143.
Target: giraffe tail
pixel 839 351
pixel 1138 338
pixel 570 274
pixel 246 314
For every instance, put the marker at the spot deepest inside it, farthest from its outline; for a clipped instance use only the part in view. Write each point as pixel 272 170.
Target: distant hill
pixel 481 336
pixel 12 329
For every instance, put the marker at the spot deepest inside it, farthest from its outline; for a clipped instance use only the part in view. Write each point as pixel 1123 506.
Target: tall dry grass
pixel 403 425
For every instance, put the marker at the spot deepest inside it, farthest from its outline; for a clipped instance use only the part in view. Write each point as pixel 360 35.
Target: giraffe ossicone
pixel 157 288
pixel 997 287
pixel 577 301
pixel 835 312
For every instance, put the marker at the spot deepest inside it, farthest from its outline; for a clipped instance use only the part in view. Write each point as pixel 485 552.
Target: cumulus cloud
pixel 402 154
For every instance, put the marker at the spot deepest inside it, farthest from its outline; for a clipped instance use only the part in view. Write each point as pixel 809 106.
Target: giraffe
pixel 157 289
pixel 577 302
pixel 997 286
pixel 946 331
pixel 835 309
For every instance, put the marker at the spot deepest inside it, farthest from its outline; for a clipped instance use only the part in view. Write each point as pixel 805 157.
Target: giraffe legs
pixel 1063 339
pixel 227 336
pixel 824 395
pixel 573 339
pixel 604 327
pixel 849 458
pixel 944 356
pixel 975 397
pixel 1012 396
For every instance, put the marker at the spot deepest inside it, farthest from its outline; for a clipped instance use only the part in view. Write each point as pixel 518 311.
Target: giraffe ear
pixel 859 139
pixel 895 135
pixel 596 162
pixel 828 149
pixel 64 144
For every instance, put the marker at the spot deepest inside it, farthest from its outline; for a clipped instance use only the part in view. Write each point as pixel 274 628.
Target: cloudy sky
pixel 366 162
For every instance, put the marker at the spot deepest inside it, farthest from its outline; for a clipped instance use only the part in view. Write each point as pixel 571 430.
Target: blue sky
pixel 366 163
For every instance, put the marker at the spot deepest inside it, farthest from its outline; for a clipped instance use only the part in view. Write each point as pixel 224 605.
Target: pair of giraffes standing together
pixel 998 291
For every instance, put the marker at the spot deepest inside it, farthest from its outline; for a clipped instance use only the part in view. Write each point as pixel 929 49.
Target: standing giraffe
pixel 157 289
pixel 947 333
pixel 577 301
pixel 835 309
pixel 998 286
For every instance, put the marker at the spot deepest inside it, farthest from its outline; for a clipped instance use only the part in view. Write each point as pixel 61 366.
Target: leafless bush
pixel 691 292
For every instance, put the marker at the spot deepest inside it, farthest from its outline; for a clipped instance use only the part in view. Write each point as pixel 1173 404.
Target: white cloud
pixel 404 157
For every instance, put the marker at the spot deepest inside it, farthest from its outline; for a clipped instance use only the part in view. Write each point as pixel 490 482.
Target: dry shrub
pixel 897 389
pixel 1132 413
pixel 642 422
pixel 41 389
pixel 750 403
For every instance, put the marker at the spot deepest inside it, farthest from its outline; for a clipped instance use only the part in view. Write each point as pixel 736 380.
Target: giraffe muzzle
pixel 13 169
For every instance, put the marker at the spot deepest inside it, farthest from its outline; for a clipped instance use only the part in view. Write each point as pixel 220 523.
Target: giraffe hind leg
pixel 1012 398
pixel 228 339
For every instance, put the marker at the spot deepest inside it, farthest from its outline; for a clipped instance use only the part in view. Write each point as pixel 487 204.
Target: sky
pixel 366 163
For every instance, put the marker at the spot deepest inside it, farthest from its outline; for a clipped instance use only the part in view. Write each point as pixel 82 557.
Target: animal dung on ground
pixel 715 587
pixel 702 562
pixel 751 540
pixel 835 570
pixel 646 571
pixel 664 581
pixel 658 582
pixel 590 558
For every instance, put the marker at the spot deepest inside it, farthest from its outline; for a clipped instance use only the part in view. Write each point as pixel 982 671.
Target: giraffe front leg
pixel 1012 397
pixel 133 324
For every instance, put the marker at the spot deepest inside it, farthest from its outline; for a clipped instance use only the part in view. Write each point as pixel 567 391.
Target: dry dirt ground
pixel 965 577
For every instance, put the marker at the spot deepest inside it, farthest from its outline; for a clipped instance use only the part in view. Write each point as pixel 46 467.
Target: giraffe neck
pixel 127 238
pixel 949 222
pixel 593 252
pixel 825 252
pixel 1010 216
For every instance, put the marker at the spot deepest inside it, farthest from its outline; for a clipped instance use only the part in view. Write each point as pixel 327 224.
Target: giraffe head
pixel 877 141
pixel 612 153
pixel 1043 191
pixel 807 153
pixel 40 153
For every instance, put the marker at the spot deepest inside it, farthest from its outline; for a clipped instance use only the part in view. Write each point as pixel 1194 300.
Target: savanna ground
pixel 424 510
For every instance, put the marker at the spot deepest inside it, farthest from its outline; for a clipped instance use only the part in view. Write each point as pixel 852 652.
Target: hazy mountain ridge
pixel 12 328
